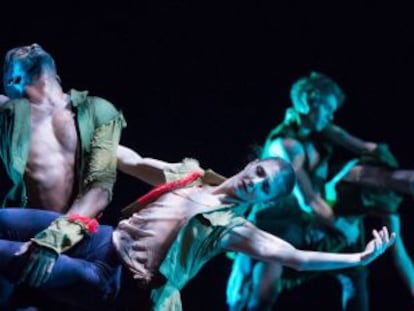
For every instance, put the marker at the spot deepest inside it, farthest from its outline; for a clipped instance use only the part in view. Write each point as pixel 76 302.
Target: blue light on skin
pixel 321 113
pixel 330 191
pixel 22 65
pixel 275 148
pixel 16 81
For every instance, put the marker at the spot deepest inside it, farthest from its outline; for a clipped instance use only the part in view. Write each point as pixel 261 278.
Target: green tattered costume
pixel 196 243
pixel 99 125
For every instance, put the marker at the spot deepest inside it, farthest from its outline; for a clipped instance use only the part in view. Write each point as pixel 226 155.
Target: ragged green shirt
pixel 173 240
pixel 99 126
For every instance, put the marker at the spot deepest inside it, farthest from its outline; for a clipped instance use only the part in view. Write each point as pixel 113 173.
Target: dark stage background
pixel 210 79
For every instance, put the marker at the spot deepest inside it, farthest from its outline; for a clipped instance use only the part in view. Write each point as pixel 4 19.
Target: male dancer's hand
pixel 46 246
pixel 377 246
pixel 39 265
pixel 381 154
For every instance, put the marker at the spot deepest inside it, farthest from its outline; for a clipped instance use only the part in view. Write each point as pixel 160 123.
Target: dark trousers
pixel 87 276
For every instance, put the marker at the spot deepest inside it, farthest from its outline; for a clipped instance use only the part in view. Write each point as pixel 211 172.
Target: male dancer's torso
pixel 144 239
pixel 50 168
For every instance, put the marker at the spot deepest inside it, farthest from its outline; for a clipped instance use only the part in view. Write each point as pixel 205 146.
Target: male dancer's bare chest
pixel 50 166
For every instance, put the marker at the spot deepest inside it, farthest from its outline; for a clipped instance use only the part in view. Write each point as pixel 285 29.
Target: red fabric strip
pixel 161 189
pixel 91 225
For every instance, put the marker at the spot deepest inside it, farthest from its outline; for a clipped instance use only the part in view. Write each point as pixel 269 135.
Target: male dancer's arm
pixel 378 151
pixel 263 246
pixel 146 169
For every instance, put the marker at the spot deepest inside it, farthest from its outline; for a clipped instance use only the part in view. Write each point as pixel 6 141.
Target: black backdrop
pixel 209 80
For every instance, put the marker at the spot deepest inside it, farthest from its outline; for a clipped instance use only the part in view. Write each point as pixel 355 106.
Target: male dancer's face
pixel 262 181
pixel 22 65
pixel 322 111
